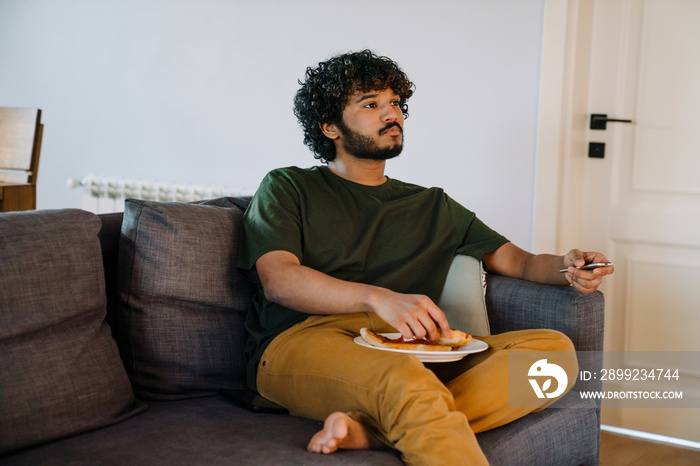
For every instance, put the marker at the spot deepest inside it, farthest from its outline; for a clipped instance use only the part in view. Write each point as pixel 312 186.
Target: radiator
pixel 105 195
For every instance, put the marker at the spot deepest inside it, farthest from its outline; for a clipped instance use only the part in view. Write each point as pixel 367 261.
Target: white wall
pixel 201 91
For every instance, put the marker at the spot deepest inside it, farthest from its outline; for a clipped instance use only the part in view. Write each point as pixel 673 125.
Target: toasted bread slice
pixel 457 339
pixel 399 343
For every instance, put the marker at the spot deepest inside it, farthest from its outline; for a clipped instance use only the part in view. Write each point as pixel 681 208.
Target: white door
pixel 637 60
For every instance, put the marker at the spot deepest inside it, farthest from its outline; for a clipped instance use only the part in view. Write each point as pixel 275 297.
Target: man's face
pixel 372 125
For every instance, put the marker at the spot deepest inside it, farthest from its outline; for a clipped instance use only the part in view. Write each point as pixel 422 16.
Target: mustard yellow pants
pixel 430 414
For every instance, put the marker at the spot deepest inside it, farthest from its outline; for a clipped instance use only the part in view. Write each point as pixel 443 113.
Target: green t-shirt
pixel 397 235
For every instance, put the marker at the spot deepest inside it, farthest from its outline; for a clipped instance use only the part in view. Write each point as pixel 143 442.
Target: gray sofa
pixel 118 330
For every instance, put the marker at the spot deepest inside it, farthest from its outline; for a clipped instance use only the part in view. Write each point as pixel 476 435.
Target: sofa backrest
pixel 109 242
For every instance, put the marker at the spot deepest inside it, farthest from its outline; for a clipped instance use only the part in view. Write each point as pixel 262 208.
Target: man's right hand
pixel 287 282
pixel 412 315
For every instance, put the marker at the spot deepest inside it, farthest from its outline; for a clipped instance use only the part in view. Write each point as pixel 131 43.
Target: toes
pixel 331 437
pixel 323 442
pixel 330 446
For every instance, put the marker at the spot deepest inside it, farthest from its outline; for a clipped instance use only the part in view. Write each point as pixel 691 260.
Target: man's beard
pixel 363 147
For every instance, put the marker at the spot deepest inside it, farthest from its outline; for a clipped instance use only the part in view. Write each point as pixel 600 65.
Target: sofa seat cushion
pixel 213 431
pixel 205 430
pixel 179 321
pixel 60 371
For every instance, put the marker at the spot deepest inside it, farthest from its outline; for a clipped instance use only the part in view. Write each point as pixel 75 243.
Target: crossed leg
pixel 316 371
pixel 486 408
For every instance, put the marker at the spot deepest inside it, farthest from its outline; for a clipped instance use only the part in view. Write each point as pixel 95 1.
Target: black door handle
pixel 600 121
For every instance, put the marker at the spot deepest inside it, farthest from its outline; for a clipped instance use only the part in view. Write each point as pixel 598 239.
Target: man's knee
pixel 561 349
pixel 557 341
pixel 566 352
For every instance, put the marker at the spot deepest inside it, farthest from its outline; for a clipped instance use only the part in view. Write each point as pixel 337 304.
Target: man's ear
pixel 330 130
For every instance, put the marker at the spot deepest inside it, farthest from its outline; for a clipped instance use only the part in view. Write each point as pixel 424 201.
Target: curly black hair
pixel 323 96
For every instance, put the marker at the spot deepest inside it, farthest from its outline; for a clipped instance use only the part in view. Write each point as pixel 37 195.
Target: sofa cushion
pixel 60 371
pixel 203 431
pixel 182 301
pixel 462 297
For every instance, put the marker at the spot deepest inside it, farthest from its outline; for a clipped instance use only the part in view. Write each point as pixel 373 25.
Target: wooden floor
pixel 619 450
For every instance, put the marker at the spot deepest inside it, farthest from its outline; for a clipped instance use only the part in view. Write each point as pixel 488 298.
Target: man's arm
pixel 287 282
pixel 511 261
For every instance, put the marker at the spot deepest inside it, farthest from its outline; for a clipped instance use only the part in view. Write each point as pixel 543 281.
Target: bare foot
pixel 342 431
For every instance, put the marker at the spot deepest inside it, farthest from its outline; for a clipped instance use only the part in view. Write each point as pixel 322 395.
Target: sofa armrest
pixel 514 304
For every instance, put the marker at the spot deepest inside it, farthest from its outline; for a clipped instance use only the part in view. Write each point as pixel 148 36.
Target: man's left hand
pixel 586 281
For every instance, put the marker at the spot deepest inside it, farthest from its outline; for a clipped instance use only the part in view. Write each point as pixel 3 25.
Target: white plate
pixel 474 346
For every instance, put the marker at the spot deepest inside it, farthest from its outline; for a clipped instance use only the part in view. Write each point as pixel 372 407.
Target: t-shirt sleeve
pixel 479 238
pixel 272 222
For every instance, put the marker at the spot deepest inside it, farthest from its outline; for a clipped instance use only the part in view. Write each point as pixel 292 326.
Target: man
pixel 341 246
